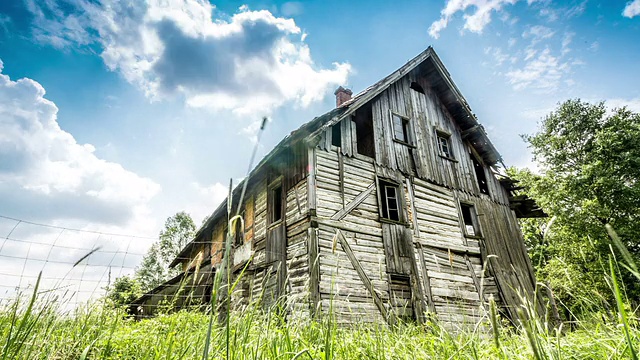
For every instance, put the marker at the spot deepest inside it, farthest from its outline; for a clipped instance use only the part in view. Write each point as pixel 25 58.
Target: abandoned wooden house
pixel 390 206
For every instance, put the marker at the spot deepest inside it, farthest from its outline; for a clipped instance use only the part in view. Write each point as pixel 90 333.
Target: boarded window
pixel 275 203
pixel 480 176
pixel 389 201
pixel 364 131
pixel 470 218
pixel 336 135
pixel 444 144
pixel 401 129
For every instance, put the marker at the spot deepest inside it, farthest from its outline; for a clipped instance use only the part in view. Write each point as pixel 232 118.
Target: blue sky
pixel 115 116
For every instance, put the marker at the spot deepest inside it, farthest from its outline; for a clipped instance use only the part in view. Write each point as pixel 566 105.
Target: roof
pixel 426 63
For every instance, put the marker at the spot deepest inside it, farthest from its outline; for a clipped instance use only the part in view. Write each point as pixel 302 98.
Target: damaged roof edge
pixel 300 133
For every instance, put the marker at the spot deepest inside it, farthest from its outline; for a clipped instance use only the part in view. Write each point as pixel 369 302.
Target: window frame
pixel 475 221
pixel 382 185
pixel 407 129
pixel 271 204
pixel 446 136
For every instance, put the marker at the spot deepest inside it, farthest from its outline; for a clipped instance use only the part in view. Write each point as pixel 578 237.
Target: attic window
pixel 401 129
pixel 480 175
pixel 389 200
pixel 444 144
pixel 415 86
pixel 336 135
pixel 470 219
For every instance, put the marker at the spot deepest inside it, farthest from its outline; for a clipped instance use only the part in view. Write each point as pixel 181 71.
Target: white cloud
pixel 632 9
pixel 209 197
pixel 538 33
pixel 44 168
pixel 249 63
pixel 542 72
pixel 616 103
pixel 474 21
pixel 47 177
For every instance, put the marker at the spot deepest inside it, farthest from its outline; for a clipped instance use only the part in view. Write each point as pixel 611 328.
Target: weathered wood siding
pixel 341 288
pixel 427 264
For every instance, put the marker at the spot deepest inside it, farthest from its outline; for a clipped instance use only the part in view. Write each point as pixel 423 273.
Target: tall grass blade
pixel 621 310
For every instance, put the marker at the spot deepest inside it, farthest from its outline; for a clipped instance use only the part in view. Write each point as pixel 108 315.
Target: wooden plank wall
pixel 341 288
pixel 426 113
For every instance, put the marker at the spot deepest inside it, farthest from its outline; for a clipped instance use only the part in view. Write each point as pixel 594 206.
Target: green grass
pixel 35 330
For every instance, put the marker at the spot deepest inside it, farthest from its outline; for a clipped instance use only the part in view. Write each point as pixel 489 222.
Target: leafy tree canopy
pixel 589 161
pixel 178 230
pixel 123 291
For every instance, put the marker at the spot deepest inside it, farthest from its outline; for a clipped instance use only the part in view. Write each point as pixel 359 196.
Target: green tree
pixel 589 161
pixel 178 230
pixel 124 291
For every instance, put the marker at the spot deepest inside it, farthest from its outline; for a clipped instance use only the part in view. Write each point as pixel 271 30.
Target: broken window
pixel 401 129
pixel 364 131
pixel 415 86
pixel 470 219
pixel 389 200
pixel 275 203
pixel 444 144
pixel 480 175
pixel 336 135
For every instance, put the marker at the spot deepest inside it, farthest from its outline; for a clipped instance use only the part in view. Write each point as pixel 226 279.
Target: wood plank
pixel 354 203
pixel 363 276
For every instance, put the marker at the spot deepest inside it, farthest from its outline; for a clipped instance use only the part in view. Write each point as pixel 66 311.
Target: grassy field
pixel 35 330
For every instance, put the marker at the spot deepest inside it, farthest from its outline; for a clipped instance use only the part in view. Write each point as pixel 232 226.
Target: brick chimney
pixel 342 95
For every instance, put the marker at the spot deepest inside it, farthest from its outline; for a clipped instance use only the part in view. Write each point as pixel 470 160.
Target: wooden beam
pixel 426 281
pixel 314 270
pixel 311 180
pixel 365 279
pixel 354 203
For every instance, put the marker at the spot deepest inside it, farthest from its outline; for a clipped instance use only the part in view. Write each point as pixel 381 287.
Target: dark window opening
pixel 238 232
pixel 401 128
pixel 444 144
pixel 480 175
pixel 336 135
pixel 389 201
pixel 276 204
pixel 415 86
pixel 470 219
pixel 400 286
pixel 364 132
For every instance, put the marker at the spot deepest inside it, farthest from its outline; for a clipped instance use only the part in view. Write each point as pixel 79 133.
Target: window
pixel 238 232
pixel 470 219
pixel 444 144
pixel 401 128
pixel 389 200
pixel 364 131
pixel 480 176
pixel 275 204
pixel 336 135
pixel 415 86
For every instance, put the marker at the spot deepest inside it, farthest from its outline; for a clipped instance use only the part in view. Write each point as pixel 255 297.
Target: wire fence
pixel 76 265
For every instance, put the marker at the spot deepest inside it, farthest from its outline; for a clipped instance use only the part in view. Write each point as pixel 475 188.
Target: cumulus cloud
pixel 632 9
pixel 249 62
pixel 43 167
pixel 474 21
